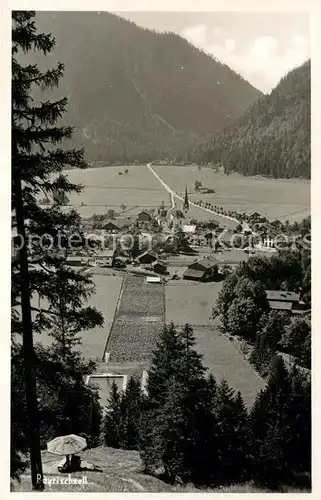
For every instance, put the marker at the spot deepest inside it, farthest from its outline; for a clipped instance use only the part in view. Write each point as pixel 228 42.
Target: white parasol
pixel 67 445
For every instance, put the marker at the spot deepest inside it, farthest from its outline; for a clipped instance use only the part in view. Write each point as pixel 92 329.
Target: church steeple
pixel 186 203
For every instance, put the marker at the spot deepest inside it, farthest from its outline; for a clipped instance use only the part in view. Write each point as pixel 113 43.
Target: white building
pixel 267 245
pixel 189 228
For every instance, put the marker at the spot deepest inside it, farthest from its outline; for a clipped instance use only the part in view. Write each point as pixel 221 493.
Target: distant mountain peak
pixel 139 94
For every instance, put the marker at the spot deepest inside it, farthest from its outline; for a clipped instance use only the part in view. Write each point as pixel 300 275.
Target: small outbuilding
pixel 147 258
pixel 111 227
pixel 202 270
pixel 106 259
pixel 159 267
pixel 153 279
pixel 144 216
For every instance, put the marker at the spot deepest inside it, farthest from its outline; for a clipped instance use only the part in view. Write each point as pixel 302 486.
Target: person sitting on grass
pixel 73 464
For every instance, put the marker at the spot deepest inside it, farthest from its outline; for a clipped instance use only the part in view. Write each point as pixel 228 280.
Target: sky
pixel 262 46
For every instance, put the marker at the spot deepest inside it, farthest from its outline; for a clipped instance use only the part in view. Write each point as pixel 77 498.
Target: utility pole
pixel 28 348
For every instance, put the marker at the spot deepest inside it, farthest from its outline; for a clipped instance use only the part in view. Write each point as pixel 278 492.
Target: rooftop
pixel 153 279
pixel 280 306
pixel 148 252
pixel 113 223
pixel 189 228
pixel 233 257
pixel 208 262
pixel 161 263
pixel 76 258
pixel 107 253
pixel 193 273
pixel 280 295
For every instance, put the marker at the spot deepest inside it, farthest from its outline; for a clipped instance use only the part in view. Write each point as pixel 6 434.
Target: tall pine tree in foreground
pixel 178 425
pixel 37 168
pixel 280 428
pixel 131 410
pixel 112 420
pixel 123 416
pixel 231 440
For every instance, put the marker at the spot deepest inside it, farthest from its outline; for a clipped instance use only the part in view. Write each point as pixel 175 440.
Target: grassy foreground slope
pixel 122 472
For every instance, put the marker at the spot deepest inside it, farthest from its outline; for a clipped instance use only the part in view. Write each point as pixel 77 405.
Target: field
pixel 105 300
pixel 105 188
pixel 274 198
pixel 139 320
pixel 188 302
pixel 224 360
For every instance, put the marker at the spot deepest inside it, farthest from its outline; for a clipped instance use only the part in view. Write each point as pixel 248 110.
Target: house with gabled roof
pixel 281 300
pixel 144 216
pixel 202 270
pixel 111 227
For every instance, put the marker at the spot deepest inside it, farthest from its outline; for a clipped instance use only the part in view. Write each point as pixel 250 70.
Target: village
pixel 165 266
pixel 167 243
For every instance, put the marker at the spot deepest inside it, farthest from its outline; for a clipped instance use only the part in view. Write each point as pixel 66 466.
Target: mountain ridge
pixel 135 94
pixel 272 137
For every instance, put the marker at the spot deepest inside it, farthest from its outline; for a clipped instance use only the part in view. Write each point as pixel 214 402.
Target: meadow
pixel 273 198
pixel 224 361
pixel 139 189
pixel 189 302
pixel 105 188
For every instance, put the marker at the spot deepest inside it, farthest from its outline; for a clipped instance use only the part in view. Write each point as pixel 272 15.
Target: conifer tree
pixel 298 451
pixel 178 428
pixel 112 421
pixel 212 387
pixel 270 425
pixel 231 439
pixel 37 167
pixel 165 363
pixel 131 410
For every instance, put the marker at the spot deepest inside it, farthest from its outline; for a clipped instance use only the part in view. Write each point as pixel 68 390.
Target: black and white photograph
pixel 161 303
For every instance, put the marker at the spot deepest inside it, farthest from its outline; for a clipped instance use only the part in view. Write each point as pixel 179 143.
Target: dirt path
pixel 134 483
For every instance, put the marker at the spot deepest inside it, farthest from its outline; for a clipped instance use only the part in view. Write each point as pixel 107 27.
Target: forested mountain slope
pixel 271 138
pixel 135 94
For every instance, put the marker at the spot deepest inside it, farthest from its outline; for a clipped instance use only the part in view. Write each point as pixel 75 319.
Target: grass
pixel 190 302
pixel 105 188
pixel 122 472
pixel 223 359
pixel 275 198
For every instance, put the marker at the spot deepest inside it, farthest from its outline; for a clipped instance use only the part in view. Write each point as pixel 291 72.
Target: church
pixel 181 217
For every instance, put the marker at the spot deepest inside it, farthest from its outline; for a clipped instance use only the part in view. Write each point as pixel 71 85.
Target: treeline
pixel 244 311
pixel 191 428
pixel 272 138
pixel 138 95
